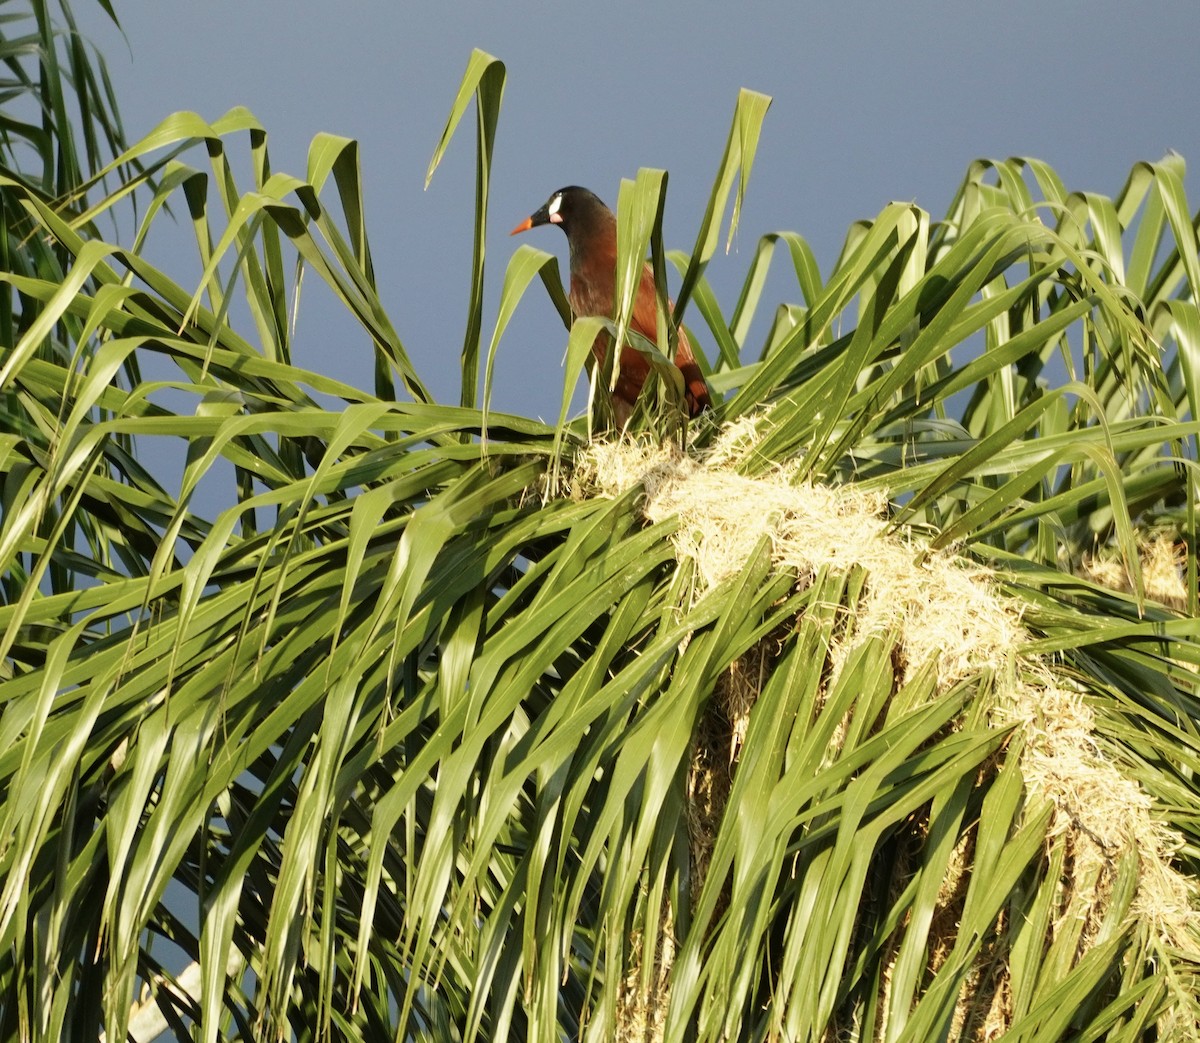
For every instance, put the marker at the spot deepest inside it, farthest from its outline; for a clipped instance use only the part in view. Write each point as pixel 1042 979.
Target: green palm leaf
pixel 387 719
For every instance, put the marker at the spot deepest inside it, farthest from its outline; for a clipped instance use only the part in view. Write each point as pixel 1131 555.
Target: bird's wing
pixel 645 321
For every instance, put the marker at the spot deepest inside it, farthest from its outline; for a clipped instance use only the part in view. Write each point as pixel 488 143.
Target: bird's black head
pixel 571 208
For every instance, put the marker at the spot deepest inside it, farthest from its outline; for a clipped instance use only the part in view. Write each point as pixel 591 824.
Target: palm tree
pixel 807 722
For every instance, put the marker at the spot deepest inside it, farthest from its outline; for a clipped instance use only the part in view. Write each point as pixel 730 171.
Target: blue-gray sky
pixel 873 102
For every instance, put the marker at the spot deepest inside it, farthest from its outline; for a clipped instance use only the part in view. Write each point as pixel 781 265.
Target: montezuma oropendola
pixel 591 230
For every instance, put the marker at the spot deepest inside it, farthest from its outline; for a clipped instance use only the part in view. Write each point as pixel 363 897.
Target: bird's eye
pixel 555 203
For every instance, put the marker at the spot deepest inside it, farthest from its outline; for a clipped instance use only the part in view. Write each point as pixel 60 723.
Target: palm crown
pixel 808 721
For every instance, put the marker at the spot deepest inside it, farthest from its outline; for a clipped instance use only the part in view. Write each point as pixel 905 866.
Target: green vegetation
pixel 457 725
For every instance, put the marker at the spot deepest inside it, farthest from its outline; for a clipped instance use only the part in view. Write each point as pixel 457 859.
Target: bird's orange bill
pixel 524 226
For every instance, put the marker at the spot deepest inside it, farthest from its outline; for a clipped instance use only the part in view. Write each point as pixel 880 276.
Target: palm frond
pixel 339 714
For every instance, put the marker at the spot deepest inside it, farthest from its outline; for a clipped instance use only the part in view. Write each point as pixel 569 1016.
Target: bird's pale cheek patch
pixel 556 219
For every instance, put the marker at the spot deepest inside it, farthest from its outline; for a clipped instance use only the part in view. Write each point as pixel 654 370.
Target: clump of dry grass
pixel 945 610
pixel 1106 815
pixel 642 1012
pixel 1161 561
pixel 942 606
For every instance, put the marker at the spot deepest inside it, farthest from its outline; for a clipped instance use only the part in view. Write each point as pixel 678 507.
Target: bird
pixel 591 230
